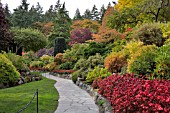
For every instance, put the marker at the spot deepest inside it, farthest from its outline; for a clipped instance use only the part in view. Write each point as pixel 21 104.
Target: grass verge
pixel 15 98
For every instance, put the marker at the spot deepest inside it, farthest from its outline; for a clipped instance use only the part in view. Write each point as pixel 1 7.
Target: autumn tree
pixel 86 23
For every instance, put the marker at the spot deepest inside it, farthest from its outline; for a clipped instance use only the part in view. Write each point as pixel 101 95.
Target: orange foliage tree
pixel 106 34
pixel 86 23
pixel 45 28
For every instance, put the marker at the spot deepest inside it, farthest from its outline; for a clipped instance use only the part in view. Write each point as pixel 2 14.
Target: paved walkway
pixel 72 98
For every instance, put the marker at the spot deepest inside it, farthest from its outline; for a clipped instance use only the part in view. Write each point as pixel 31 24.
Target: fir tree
pixel 102 12
pixel 77 15
pixel 94 13
pixel 87 14
pixel 21 16
pixel 61 26
pixel 7 12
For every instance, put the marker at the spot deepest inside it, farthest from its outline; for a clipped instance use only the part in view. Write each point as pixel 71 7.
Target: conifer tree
pixel 87 14
pixel 94 13
pixel 77 15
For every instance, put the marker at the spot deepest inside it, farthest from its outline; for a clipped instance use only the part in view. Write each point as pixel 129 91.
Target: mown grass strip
pixel 15 98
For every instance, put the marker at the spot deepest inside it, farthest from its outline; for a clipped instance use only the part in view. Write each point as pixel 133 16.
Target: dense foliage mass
pixel 130 94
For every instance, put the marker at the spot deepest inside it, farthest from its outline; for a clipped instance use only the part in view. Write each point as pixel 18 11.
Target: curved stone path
pixel 72 99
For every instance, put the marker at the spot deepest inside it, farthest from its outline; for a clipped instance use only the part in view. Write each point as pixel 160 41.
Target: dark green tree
pixel 36 14
pixel 5 35
pixel 94 13
pixel 109 5
pixel 87 14
pixel 62 26
pixel 77 15
pixel 7 12
pixel 21 16
pixel 50 13
pixel 102 12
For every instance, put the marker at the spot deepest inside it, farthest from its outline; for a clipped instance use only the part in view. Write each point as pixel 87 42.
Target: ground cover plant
pixel 128 93
pixel 14 98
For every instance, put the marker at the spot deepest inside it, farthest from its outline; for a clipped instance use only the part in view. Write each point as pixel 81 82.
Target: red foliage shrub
pixel 135 95
pixel 80 35
pixel 96 83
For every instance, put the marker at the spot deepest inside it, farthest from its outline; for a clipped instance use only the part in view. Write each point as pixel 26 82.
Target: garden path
pixel 72 99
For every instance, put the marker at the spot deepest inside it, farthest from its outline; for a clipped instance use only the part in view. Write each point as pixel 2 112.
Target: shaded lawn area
pixel 15 98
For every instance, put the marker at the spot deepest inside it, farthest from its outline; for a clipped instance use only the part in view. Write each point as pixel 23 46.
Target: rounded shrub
pixel 36 64
pixel 163 63
pixel 143 62
pixel 97 72
pixel 66 65
pixel 115 61
pixel 75 76
pixel 149 33
pixel 8 73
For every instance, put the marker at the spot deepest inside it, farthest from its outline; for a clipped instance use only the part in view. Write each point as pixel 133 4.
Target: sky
pixel 71 5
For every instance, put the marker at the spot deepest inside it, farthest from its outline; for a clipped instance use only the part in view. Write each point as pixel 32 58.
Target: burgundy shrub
pixel 80 35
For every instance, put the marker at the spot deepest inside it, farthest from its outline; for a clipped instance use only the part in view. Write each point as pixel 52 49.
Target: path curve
pixel 72 98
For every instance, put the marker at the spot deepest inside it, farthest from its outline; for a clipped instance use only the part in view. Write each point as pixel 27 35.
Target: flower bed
pixel 129 94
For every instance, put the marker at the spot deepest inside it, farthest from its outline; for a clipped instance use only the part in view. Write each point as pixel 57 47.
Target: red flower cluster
pixel 129 94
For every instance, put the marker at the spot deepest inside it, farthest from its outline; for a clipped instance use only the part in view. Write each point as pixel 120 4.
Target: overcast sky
pixel 71 5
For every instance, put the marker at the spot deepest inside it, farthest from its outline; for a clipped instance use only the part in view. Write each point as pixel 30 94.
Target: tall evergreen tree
pixel 7 12
pixel 5 35
pixel 50 14
pixel 102 12
pixel 61 26
pixel 21 16
pixel 87 14
pixel 94 13
pixel 109 5
pixel 77 15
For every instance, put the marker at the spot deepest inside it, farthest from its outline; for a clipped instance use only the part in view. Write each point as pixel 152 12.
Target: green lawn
pixel 14 98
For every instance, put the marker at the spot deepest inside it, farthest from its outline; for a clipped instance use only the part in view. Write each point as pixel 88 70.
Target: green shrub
pixel 30 39
pixel 8 73
pixel 167 41
pixel 66 65
pixel 143 62
pixel 95 60
pixel 96 73
pixel 75 76
pixel 94 48
pixel 17 61
pixel 166 29
pixel 47 59
pixel 29 56
pixel 149 33
pixel 163 63
pixel 51 66
pixel 36 64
